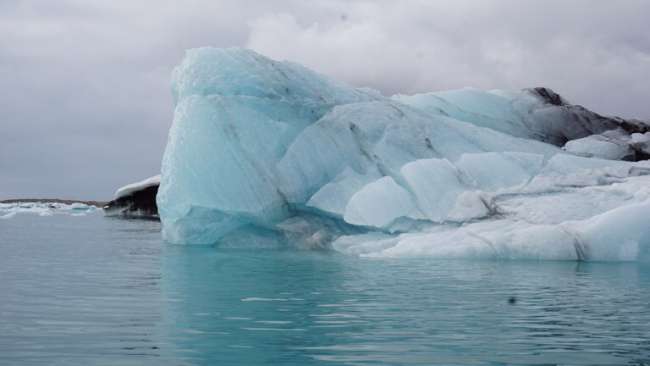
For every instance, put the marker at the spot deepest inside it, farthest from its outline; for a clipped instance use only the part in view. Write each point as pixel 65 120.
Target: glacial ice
pixel 9 210
pixel 586 230
pixel 379 203
pixel 260 146
pixel 613 145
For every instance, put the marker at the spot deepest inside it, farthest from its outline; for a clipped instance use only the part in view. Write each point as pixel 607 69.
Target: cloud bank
pixel 86 101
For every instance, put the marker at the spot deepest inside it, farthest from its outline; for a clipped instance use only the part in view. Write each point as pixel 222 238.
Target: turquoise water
pixel 96 291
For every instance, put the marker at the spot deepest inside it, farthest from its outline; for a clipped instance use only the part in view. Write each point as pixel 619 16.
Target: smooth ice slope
pixel 260 147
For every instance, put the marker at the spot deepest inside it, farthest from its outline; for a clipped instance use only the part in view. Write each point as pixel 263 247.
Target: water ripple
pixel 109 292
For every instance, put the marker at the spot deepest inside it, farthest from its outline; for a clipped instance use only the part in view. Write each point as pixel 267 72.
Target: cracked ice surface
pixel 266 148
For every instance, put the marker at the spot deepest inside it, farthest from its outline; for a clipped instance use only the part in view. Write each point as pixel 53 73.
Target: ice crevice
pixel 260 146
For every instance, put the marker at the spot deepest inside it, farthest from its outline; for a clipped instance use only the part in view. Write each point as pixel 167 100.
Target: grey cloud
pixel 85 84
pixel 584 49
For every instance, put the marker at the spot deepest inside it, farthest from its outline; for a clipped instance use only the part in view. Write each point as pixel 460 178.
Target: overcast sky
pixel 85 97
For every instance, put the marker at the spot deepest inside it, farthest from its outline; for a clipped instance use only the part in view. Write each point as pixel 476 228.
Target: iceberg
pixel 263 147
pixel 135 200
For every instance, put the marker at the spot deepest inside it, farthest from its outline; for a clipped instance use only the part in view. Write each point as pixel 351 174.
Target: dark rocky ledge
pixel 574 121
pixel 137 204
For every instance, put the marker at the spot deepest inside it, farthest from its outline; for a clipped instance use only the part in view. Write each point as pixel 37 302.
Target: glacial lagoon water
pixel 91 290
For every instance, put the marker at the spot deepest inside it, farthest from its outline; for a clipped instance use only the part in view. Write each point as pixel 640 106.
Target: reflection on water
pixel 91 290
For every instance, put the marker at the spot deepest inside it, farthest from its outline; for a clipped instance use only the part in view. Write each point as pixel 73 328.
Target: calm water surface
pixel 96 291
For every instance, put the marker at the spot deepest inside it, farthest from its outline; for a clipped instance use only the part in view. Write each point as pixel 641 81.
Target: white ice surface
pixel 435 184
pixel 378 204
pixel 608 223
pixel 9 210
pixel 597 146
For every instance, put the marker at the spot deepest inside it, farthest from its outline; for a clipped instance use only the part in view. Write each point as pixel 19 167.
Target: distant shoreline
pixel 54 200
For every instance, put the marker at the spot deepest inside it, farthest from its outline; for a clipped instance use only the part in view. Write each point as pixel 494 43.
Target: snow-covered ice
pixel 9 210
pixel 138 186
pixel 271 145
